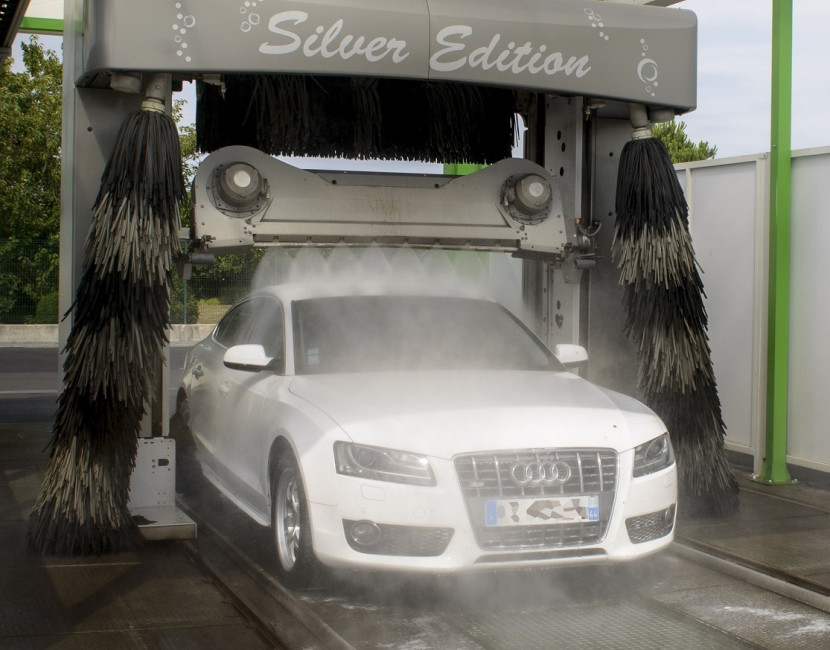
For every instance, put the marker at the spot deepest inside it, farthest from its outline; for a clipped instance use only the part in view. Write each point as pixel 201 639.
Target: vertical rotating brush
pixel 667 319
pixel 120 317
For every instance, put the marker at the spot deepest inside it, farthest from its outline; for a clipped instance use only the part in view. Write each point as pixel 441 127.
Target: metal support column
pixel 775 461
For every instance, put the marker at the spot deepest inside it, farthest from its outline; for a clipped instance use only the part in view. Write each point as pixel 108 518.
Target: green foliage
pixel 28 270
pixel 191 157
pixel 30 169
pixel 46 312
pixel 30 140
pixel 180 295
pixel 681 148
pixel 229 277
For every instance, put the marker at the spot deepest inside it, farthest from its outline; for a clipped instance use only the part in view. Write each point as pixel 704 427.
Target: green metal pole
pixel 775 462
pixel 461 169
pixel 50 26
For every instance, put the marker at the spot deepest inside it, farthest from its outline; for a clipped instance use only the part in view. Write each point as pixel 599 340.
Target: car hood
pixel 446 413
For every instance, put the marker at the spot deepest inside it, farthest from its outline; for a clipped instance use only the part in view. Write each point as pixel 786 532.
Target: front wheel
pixel 296 564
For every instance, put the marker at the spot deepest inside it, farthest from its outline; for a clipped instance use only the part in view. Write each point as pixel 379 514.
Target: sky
pixel 734 72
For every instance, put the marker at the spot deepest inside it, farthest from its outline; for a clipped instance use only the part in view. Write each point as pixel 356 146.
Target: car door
pixel 246 394
pixel 211 404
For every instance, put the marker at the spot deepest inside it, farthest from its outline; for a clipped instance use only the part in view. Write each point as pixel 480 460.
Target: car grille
pixel 581 472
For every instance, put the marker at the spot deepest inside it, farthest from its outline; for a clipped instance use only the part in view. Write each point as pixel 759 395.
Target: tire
pixel 297 566
pixel 189 477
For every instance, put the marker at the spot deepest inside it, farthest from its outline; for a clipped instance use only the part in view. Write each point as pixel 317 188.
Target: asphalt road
pixel 30 382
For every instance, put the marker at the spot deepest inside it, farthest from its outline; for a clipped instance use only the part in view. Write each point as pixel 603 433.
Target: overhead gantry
pixel 273 76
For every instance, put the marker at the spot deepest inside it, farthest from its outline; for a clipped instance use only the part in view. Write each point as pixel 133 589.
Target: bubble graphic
pixel 647 72
pixel 184 22
pixel 596 21
pixel 253 19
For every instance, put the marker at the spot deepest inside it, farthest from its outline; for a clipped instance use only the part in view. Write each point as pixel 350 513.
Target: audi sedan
pixel 395 430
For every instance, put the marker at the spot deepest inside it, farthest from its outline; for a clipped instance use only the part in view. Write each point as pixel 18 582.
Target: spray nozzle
pixel 156 92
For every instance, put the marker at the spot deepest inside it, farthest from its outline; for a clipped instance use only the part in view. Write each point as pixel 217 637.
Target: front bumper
pixel 431 529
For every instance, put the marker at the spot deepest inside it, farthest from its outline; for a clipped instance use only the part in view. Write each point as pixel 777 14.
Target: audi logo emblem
pixel 533 473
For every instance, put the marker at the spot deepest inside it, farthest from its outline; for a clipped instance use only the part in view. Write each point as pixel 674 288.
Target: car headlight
pixel 381 464
pixel 652 456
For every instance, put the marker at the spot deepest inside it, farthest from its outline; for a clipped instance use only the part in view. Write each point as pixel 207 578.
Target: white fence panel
pixel 728 201
pixel 809 376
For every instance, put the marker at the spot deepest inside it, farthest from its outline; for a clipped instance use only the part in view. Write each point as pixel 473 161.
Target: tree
pixel 681 148
pixel 30 141
pixel 30 169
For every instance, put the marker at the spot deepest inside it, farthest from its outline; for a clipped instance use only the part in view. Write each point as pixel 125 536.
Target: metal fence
pixel 29 285
pixel 29 280
pixel 203 300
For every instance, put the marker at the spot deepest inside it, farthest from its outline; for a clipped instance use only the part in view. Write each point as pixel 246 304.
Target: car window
pixel 381 333
pixel 268 329
pixel 235 326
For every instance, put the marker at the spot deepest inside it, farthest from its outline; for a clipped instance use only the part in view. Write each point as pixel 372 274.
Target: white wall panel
pixel 724 208
pixel 808 440
pixel 728 201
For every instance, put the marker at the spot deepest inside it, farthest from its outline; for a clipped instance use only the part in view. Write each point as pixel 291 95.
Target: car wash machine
pixel 449 81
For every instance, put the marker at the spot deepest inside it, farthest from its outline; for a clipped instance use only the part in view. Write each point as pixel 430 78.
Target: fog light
pixel 651 526
pixel 365 533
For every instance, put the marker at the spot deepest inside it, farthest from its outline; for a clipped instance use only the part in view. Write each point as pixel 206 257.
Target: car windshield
pixel 396 333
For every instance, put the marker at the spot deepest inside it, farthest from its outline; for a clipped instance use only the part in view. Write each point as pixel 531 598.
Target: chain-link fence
pixel 212 289
pixel 205 299
pixel 29 280
pixel 29 285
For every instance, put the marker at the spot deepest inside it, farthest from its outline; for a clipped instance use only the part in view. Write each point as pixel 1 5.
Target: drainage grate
pixel 638 624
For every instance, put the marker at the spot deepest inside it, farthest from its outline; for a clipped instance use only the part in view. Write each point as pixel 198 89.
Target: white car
pixel 392 430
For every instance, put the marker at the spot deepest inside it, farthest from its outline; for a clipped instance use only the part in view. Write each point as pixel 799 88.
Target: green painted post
pixel 50 26
pixel 461 169
pixel 775 462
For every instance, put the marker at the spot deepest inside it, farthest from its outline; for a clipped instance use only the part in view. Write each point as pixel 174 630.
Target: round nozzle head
pixel 240 184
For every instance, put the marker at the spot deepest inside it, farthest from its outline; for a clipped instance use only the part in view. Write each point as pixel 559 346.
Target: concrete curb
pixel 47 335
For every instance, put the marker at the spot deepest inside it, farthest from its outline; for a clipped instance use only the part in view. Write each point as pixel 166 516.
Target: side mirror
pixel 569 354
pixel 251 358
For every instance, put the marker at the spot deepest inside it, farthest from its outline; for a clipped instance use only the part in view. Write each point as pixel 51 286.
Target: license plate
pixel 532 512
